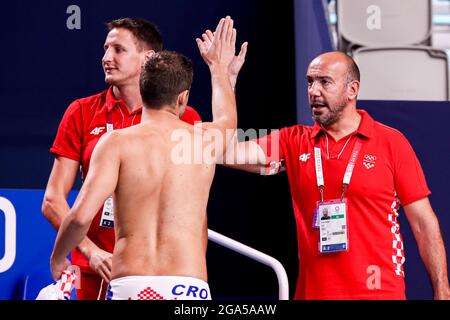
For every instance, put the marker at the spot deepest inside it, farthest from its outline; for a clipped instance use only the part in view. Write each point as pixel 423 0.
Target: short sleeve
pixel 271 145
pixel 68 139
pixel 191 116
pixel 409 179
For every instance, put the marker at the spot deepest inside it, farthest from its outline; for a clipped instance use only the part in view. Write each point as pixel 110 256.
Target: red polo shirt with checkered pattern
pixel 83 123
pixel 387 173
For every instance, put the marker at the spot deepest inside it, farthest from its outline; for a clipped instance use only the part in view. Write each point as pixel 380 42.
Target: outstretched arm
pixel 100 183
pixel 218 56
pixel 247 156
pixel 425 227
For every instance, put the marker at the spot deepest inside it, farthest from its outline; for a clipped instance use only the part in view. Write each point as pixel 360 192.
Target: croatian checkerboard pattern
pixel 149 294
pixel 398 253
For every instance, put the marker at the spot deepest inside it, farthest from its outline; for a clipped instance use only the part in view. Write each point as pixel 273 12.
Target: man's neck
pixel 348 123
pixel 168 113
pixel 130 96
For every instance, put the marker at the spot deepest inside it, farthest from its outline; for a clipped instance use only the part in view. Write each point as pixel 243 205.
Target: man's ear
pixel 183 98
pixel 147 55
pixel 353 89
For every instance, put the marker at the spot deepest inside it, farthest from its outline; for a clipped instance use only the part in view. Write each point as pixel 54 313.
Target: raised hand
pixel 237 62
pixel 219 51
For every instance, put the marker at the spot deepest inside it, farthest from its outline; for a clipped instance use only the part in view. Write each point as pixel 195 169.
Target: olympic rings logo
pixel 10 234
pixel 370 158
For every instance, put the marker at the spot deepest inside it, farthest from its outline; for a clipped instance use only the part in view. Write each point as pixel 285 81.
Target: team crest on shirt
pixel 369 161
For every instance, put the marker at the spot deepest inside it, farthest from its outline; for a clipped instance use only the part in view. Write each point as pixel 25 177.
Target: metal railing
pixel 283 283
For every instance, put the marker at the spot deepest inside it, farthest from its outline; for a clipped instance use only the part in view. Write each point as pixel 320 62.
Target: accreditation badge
pixel 332 218
pixel 107 219
pixel 315 222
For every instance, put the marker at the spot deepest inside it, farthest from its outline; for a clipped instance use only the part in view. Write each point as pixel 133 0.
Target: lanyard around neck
pixel 348 171
pixel 109 121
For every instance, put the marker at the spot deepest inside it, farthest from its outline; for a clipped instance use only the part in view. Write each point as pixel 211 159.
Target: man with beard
pixel 360 171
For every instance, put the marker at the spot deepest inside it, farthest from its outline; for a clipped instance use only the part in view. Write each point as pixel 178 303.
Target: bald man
pixel 359 171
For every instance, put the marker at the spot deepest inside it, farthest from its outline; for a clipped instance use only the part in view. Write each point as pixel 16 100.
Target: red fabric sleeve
pixel 271 144
pixel 68 138
pixel 409 178
pixel 191 116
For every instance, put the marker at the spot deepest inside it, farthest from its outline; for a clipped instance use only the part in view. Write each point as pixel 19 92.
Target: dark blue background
pixel 425 126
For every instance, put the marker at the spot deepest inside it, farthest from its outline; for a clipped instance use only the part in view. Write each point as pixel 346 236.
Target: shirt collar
pixel 111 102
pixel 365 127
pixel 367 124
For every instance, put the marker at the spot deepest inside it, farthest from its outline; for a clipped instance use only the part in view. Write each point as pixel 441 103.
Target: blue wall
pixel 425 126
pixel 312 37
pixel 33 240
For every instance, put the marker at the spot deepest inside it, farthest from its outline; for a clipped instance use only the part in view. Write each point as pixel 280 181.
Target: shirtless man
pixel 160 224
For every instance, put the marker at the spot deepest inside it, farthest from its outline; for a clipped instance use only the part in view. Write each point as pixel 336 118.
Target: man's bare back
pixel 160 201
pixel 160 205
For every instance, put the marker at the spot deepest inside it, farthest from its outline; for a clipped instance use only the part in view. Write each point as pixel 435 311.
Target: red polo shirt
pixel 83 123
pixel 387 173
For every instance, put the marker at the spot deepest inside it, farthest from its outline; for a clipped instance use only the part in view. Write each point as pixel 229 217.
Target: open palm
pixel 219 48
pixel 236 62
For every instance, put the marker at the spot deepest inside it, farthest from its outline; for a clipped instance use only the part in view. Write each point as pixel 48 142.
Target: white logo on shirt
pixel 305 157
pixel 369 161
pixel 97 130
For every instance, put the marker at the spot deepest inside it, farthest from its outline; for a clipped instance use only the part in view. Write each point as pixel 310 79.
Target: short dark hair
pixel 164 76
pixel 143 30
pixel 352 70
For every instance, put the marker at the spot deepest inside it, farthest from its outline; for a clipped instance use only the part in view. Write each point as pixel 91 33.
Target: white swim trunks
pixel 158 288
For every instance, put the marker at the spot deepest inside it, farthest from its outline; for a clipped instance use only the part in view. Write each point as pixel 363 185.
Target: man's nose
pixel 314 89
pixel 107 56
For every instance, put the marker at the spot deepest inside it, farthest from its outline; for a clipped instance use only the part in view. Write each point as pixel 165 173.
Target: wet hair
pixel 164 76
pixel 144 31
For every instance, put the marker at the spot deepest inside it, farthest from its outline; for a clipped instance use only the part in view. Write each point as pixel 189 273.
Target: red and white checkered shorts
pixel 158 288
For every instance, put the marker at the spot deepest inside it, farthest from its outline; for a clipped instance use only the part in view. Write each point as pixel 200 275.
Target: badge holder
pixel 107 219
pixel 332 220
pixel 330 217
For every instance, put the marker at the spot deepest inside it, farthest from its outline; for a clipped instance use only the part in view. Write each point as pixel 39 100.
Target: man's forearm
pixel 233 81
pixel 223 99
pixel 70 234
pixel 432 250
pixel 246 155
pixel 223 107
pixel 55 211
